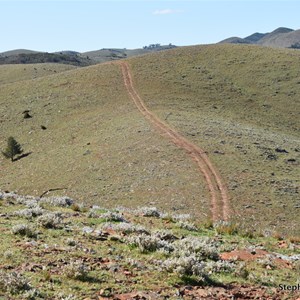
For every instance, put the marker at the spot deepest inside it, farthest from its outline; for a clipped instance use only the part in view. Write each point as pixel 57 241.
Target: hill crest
pixel 281 37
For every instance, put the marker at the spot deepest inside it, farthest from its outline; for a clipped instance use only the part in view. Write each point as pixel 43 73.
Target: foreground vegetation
pixel 55 248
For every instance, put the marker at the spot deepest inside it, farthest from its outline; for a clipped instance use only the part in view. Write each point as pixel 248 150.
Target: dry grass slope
pixel 14 73
pixel 96 144
pixel 239 103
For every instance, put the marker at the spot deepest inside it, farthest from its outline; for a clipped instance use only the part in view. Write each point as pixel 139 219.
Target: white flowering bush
pixel 191 265
pixel 113 217
pixel 13 283
pixel 187 226
pixel 30 213
pixel 126 228
pixel 76 270
pixel 50 220
pixel 204 248
pixel 146 243
pixel 57 201
pixel 220 266
pixel 31 203
pixel 188 265
pixel 24 230
pixel 148 212
pixel 20 199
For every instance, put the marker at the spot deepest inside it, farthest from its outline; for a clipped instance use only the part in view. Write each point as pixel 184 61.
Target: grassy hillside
pixel 96 144
pixel 238 102
pixel 241 104
pixel 14 73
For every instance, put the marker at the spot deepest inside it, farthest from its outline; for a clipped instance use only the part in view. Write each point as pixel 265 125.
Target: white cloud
pixel 167 11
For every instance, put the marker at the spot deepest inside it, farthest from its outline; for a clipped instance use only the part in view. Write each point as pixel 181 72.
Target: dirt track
pixel 218 192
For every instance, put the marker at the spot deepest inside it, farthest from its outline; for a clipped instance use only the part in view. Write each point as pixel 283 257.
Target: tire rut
pixel 218 193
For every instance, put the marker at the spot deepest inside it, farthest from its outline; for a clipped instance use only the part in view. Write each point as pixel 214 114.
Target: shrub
pixel 58 201
pixel 50 220
pixel 267 262
pixel 13 283
pixel 191 265
pixel 148 212
pixel 166 216
pixel 203 248
pixel 113 217
pixel 71 242
pixel 146 243
pixel 8 254
pixel 31 203
pixel 30 212
pixel 241 271
pixel 185 266
pixel 24 230
pixel 187 226
pixel 125 228
pixel 219 266
pixel 76 270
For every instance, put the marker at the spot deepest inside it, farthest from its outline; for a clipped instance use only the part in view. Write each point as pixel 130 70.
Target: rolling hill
pixel 239 103
pixel 23 56
pixel 279 38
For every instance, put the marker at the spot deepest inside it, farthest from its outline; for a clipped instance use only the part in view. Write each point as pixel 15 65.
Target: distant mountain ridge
pixel 281 37
pixel 24 56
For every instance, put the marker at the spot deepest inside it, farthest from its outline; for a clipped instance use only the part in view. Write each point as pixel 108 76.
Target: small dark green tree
pixel 13 148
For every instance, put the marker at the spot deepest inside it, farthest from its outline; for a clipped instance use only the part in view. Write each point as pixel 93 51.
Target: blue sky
pixel 53 25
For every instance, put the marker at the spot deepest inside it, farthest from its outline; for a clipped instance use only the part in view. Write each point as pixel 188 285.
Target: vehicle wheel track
pixel 218 192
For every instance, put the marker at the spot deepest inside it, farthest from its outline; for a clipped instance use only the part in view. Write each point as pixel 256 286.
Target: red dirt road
pixel 219 199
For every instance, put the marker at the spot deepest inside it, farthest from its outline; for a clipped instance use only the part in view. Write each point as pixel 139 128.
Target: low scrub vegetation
pixel 95 250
